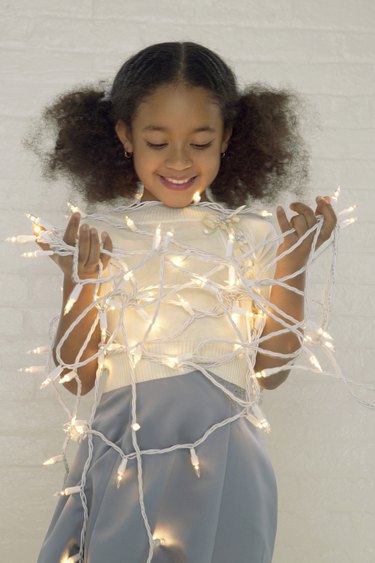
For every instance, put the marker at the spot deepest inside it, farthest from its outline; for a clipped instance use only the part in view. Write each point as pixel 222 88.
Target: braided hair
pixel 266 152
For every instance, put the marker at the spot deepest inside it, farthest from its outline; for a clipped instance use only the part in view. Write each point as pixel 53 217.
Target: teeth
pixel 178 181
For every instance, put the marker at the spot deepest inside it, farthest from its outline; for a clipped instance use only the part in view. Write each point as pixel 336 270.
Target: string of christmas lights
pixel 127 293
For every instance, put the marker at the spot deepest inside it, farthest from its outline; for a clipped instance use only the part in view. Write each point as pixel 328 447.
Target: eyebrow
pixel 163 129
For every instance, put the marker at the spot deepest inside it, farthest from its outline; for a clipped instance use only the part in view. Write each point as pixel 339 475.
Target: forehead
pixel 168 106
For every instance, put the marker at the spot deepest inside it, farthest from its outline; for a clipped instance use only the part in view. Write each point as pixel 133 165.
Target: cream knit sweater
pixel 174 321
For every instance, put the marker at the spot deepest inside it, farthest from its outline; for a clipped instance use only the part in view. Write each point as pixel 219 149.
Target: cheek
pixel 145 162
pixel 211 161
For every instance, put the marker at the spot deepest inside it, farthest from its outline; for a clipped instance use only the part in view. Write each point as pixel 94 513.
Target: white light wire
pixel 125 286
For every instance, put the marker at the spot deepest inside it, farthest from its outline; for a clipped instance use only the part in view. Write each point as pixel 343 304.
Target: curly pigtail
pixel 86 149
pixel 266 153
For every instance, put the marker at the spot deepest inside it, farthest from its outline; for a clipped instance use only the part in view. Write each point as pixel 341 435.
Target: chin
pixel 176 205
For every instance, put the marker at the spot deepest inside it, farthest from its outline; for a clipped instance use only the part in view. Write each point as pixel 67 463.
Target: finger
pixel 107 245
pixel 83 244
pixel 94 252
pixel 306 211
pixel 282 220
pixel 330 220
pixel 300 224
pixel 323 205
pixel 71 231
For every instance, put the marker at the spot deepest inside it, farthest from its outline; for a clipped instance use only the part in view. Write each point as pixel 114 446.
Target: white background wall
pixel 322 443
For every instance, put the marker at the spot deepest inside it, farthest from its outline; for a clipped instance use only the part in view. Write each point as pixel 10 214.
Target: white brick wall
pixel 322 440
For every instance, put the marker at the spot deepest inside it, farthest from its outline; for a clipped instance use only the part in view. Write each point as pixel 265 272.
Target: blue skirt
pixel 229 513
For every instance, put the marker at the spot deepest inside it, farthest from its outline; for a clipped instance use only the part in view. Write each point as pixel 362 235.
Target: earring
pixel 128 154
pixel 223 154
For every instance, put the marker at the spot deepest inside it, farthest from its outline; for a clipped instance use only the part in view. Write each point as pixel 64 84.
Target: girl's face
pixel 176 136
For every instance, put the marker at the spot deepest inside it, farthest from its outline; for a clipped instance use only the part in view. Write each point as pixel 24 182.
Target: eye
pixel 199 147
pixel 203 146
pixel 155 146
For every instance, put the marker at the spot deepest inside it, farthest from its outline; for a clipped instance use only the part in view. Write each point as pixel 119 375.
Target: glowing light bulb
pixel 130 223
pixel 103 323
pixel 38 350
pixel 336 194
pixel 324 334
pixel 157 238
pixel 77 429
pixel 159 541
pixel 348 222
pixel 53 460
pixel 177 260
pixel 262 422
pixel 231 276
pixel 37 229
pixel 36 253
pixel 348 210
pixel 167 238
pixel 32 218
pixel 69 491
pixel 52 376
pixel 68 377
pixel 195 461
pixel 186 305
pixel 236 316
pixel 73 297
pixel 71 559
pixel 21 238
pixel 268 371
pixel 196 197
pixel 39 221
pixel 229 249
pixel 33 369
pixel 136 355
pixel 121 471
pixel 171 361
pixel 314 361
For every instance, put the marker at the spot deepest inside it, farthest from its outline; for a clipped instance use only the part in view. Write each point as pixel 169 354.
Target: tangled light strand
pixel 125 287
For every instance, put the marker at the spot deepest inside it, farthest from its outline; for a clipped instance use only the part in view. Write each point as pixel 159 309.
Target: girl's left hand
pixel 304 220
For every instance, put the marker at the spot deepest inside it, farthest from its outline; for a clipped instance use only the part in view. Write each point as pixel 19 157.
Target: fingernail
pixel 279 209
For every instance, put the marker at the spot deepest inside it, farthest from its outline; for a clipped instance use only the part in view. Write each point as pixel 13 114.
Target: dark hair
pixel 266 152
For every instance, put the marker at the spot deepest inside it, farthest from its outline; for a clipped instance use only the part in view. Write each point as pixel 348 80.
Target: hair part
pixel 266 152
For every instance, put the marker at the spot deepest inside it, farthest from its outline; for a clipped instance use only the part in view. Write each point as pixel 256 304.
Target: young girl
pixel 179 307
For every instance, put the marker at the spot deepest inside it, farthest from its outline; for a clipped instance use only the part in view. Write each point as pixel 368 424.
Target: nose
pixel 178 158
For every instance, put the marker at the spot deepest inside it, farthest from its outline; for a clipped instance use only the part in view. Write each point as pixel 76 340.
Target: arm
pixel 288 301
pixel 88 260
pixel 73 343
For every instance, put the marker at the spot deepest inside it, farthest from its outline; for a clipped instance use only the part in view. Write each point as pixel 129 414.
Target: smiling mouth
pixel 177 184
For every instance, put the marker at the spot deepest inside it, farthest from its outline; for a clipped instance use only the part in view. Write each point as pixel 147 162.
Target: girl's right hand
pixel 89 249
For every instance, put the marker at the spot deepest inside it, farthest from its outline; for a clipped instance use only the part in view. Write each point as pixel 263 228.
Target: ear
pixel 124 134
pixel 227 135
